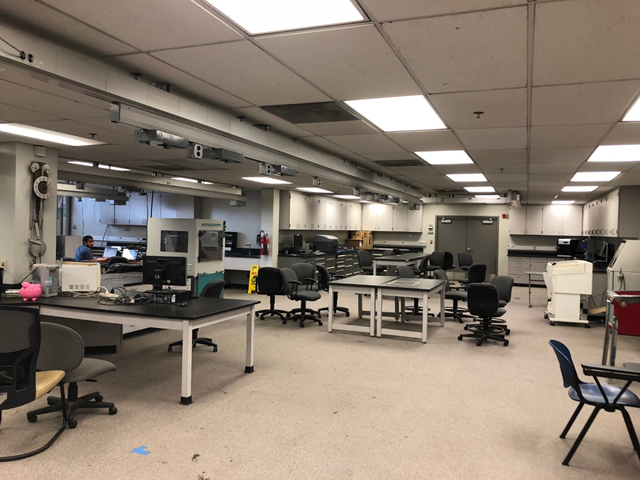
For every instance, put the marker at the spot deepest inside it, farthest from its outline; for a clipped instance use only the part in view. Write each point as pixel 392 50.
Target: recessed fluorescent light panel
pixel 445 157
pixel 479 189
pixel 399 114
pixel 267 180
pixel 616 153
pixel 46 135
pixel 261 16
pixel 347 197
pixel 633 115
pixel 78 162
pixel 563 202
pixel 488 197
pixel 467 177
pixel 581 189
pixel 594 176
pixel 184 179
pixel 313 190
pixel 111 167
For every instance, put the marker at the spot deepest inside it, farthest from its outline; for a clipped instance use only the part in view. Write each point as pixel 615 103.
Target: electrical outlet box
pixel 3 264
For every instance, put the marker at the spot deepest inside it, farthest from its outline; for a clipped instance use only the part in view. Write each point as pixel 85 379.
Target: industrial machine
pixel 623 272
pixel 325 243
pixel 200 241
pixel 566 281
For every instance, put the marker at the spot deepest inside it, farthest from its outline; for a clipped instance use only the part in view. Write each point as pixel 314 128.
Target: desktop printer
pixel 325 243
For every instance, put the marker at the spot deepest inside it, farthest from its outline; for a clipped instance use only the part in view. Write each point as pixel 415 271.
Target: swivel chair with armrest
pixel 294 291
pixel 62 348
pixel 324 277
pixel 483 301
pixel 465 260
pixel 365 260
pixel 269 282
pixel 211 290
pixel 440 261
pixel 476 273
pixel 455 295
pixel 421 269
pixel 20 382
pixel 306 273
pixel 504 285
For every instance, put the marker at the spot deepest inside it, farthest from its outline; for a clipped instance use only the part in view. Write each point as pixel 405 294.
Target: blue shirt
pixel 83 253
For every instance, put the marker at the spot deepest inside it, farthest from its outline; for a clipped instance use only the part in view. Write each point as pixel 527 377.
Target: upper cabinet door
pixel 572 220
pixel 414 220
pixel 552 219
pixel 354 216
pixel 534 220
pixel 385 218
pixel 399 218
pixel 518 221
pixel 330 215
pixel 370 216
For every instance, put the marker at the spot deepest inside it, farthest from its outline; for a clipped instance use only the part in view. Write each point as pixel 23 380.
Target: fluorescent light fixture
pixel 479 189
pixel 184 179
pixel 204 182
pixel 580 189
pixel 633 115
pixel 46 135
pixel 467 177
pixel 487 197
pixel 399 114
pixel 267 180
pixel 365 201
pixel 445 157
pixel 563 202
pixel 616 153
pixel 347 197
pixel 594 176
pixel 260 16
pixel 78 162
pixel 111 167
pixel 313 190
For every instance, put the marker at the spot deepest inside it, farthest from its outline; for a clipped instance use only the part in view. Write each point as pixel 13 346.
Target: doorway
pixel 476 235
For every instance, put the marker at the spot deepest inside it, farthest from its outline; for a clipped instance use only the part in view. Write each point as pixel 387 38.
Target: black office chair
pixel 294 292
pixel 465 260
pixel 269 282
pixel 365 260
pixel 477 273
pixel 306 273
pixel 324 277
pixel 20 382
pixel 602 397
pixel 421 269
pixel 211 290
pixel 504 284
pixel 483 301
pixel 440 261
pixel 455 295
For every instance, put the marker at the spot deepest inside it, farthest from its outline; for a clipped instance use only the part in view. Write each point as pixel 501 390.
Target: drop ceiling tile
pixel 151 24
pixel 390 156
pixel 103 153
pixel 494 138
pixel 489 157
pixel 504 168
pixel 558 178
pixel 13 114
pixel 628 179
pixel 56 26
pixel 363 144
pixel 437 182
pixel 567 136
pixel 154 70
pixel 436 140
pixel 502 108
pixel 623 133
pixel 591 103
pixel 553 168
pixel 258 116
pixel 606 167
pixel 368 67
pixel 467 168
pixel 397 10
pixel 244 70
pixel 534 199
pixel 327 146
pixel 586 41
pixel 512 185
pixel 546 187
pixel 338 128
pixel 84 130
pixel 421 171
pixel 475 51
pixel 572 156
pixel 506 177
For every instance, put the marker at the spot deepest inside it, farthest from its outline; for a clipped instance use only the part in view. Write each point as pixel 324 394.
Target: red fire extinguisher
pixel 264 243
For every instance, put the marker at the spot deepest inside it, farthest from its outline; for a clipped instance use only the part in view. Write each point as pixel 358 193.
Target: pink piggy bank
pixel 30 291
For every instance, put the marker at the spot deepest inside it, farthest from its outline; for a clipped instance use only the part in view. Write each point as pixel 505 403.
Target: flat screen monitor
pixel 602 252
pixel 110 252
pixel 130 254
pixel 159 271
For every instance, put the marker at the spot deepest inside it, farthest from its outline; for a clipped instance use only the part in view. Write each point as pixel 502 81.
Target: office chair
pixel 211 290
pixel 465 260
pixel 20 383
pixel 365 260
pixel 602 397
pixel 324 277
pixel 454 295
pixel 62 348
pixel 439 260
pixel 269 282
pixel 483 301
pixel 476 273
pixel 405 271
pixel 421 269
pixel 291 286
pixel 306 273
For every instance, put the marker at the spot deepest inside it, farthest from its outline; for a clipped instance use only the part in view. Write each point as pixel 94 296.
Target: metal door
pixel 451 236
pixel 476 235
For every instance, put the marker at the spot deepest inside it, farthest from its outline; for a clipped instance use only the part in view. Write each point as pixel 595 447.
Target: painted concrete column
pixel 270 223
pixel 17 200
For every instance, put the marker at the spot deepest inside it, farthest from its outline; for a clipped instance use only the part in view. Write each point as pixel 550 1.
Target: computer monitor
pixel 161 271
pixel 110 252
pixel 602 251
pixel 130 254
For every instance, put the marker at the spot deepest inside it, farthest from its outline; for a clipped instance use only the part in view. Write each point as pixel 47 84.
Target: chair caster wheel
pixel 587 326
pixel 552 323
pixel 507 331
pixel 215 349
pixel 301 325
pixel 478 343
pixel 320 324
pixel 32 418
pixel 546 317
pixel 284 322
pixel 99 398
pixel 50 402
pixel 169 349
pixel 506 342
pixel 460 338
pixel 72 423
pixel 113 410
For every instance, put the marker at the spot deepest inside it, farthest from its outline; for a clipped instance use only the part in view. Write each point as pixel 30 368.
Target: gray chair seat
pixel 308 295
pixel 454 295
pixel 502 303
pixel 89 368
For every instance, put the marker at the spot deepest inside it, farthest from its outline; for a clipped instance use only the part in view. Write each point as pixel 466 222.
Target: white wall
pixel 244 220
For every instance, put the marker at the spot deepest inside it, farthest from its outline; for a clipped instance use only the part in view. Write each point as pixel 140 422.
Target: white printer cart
pixel 566 281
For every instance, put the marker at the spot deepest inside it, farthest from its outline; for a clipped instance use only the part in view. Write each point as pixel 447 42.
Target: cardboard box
pixel 363 239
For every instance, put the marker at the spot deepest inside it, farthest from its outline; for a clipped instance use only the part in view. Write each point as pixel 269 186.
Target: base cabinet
pixel 519 266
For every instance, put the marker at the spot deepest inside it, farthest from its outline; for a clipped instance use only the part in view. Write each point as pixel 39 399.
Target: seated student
pixel 83 252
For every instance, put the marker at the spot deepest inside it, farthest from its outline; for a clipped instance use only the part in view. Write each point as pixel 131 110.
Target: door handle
pixel 469 249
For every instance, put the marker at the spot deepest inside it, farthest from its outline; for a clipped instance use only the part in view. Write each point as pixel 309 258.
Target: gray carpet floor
pixel 340 405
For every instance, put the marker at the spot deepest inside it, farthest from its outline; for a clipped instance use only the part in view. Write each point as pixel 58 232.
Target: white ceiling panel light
pixel 111 167
pixel 184 179
pixel 616 153
pixel 480 189
pixel 467 177
pixel 83 164
pixel 46 135
pixel 633 115
pixel 347 197
pixel 563 202
pixel 313 190
pixel 580 189
pixel 594 176
pixel 267 180
pixel 445 157
pixel 399 114
pixel 260 16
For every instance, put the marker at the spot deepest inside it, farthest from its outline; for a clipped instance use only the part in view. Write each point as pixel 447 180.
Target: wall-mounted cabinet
pixel 552 220
pixel 614 215
pixel 388 218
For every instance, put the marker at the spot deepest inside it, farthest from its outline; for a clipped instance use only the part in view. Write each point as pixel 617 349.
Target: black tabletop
pixel 194 309
pixel 363 280
pixel 405 257
pixel 422 284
